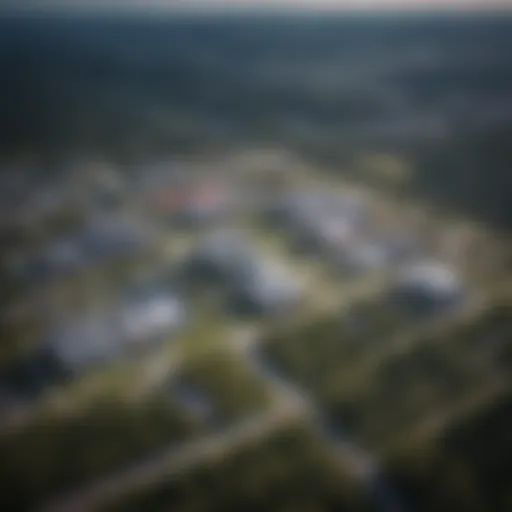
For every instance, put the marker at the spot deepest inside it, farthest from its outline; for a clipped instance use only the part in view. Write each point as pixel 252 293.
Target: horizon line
pixel 233 6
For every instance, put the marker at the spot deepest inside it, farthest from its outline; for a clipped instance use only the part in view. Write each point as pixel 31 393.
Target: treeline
pixel 470 173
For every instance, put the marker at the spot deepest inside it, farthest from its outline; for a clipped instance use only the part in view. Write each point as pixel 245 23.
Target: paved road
pixel 288 404
pixel 290 401
pixel 360 463
pixel 175 460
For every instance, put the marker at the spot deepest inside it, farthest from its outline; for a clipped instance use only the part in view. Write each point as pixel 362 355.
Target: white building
pixel 263 286
pixel 428 286
pixel 102 336
pixel 218 257
pixel 155 316
pixel 204 204
pixel 80 343
pixel 321 234
pixel 366 257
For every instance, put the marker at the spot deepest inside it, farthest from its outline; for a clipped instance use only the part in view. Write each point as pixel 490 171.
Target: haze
pixel 237 4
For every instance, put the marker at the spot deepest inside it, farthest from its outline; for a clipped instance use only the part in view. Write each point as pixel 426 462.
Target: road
pixel 288 405
pixel 175 460
pixel 351 457
pixel 289 402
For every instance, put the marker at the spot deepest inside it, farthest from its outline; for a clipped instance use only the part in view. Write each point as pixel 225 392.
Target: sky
pixel 293 4
pixel 358 3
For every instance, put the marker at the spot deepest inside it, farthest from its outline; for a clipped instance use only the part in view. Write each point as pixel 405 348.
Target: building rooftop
pixel 267 285
pixel 151 316
pixel 102 335
pixel 106 236
pixel 434 277
pixel 428 287
pixel 225 247
pixel 78 343
pixel 368 256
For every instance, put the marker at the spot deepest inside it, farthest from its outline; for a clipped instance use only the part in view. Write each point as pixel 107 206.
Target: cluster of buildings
pixel 187 195
pixel 194 205
pixel 335 228
pixel 102 238
pixel 342 232
pixel 74 344
pixel 252 282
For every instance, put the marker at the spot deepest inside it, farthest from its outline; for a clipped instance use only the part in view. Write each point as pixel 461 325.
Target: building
pixel 103 238
pixel 201 205
pixel 428 287
pixel 357 259
pixel 319 235
pixel 292 210
pixel 402 246
pixel 298 205
pixel 110 237
pixel 264 287
pixel 186 194
pixel 61 257
pixel 217 258
pixel 152 317
pixel 101 336
pixel 80 343
pixel 317 222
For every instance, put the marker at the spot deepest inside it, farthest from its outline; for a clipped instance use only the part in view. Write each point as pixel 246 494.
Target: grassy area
pixel 328 348
pixel 463 461
pixel 383 382
pixel 234 391
pixel 122 379
pixel 289 470
pixel 56 452
pixel 369 367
